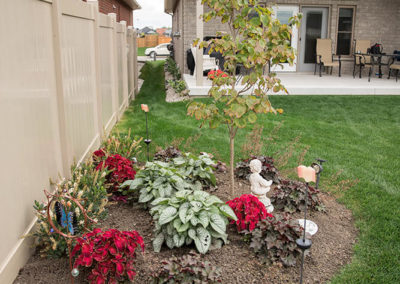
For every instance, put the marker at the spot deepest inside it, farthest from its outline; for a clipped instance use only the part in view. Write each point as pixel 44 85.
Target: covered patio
pixel 309 84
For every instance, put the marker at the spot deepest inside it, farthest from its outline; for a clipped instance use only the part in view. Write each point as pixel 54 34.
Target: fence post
pixel 131 54
pixel 62 127
pixel 135 63
pixel 114 66
pixel 125 66
pixel 98 101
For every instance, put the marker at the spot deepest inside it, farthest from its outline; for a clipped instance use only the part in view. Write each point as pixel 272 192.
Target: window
pixel 345 30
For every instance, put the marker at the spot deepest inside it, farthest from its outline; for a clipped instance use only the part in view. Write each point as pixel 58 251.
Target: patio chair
pixel 395 65
pixel 209 63
pixel 362 46
pixel 325 56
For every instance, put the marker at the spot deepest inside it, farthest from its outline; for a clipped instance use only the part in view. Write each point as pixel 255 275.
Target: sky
pixel 152 15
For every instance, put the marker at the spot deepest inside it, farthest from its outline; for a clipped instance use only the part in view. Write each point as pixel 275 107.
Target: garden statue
pixel 260 186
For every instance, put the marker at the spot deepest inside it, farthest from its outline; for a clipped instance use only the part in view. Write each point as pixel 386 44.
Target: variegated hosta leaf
pixel 196 206
pixel 194 221
pixel 188 241
pixel 216 235
pixel 192 233
pixel 159 201
pixel 178 240
pixel 170 242
pixel 158 208
pixel 182 194
pixel 228 212
pixel 211 200
pixel 218 223
pixel 202 240
pixel 183 211
pixel 145 197
pixel 204 219
pixel 157 242
pixel 167 215
pixel 200 195
pixel 189 215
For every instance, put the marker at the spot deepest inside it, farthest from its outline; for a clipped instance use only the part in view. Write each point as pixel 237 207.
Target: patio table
pixel 376 59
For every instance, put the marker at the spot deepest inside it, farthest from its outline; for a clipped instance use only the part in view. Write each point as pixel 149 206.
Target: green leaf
pixel 145 197
pixel 167 215
pixel 200 195
pixel 252 117
pixel 217 223
pixel 157 242
pixel 183 211
pixel 212 199
pixel 228 212
pixel 192 233
pixel 204 218
pixel 203 240
pixel 159 201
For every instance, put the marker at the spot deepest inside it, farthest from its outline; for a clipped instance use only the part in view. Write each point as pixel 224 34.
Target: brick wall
pixel 123 11
pixel 376 20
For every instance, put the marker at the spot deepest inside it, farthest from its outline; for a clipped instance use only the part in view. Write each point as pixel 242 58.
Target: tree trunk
pixel 232 150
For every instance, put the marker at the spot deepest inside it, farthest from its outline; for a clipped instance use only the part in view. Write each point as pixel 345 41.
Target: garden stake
pixel 308 173
pixel 70 236
pixel 145 108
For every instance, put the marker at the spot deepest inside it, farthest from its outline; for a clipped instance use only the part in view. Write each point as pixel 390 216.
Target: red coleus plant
pixel 121 168
pixel 110 254
pixel 216 73
pixel 249 211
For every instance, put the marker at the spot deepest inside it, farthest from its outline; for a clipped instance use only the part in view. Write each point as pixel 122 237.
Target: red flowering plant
pixel 119 169
pixel 249 211
pixel 216 73
pixel 110 254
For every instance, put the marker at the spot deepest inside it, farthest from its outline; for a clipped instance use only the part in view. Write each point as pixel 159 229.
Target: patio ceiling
pixel 132 4
pixel 169 6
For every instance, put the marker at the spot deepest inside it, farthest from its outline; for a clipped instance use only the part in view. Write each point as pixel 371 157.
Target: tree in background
pixel 256 39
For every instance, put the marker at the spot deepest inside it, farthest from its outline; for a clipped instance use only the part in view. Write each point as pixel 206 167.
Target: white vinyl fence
pixel 67 73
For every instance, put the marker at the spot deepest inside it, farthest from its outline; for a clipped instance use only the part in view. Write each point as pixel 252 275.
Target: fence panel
pixel 64 75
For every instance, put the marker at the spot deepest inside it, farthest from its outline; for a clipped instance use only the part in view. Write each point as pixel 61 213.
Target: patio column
pixel 199 52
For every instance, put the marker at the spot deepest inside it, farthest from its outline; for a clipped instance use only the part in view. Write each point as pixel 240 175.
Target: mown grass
pixel 359 136
pixel 141 51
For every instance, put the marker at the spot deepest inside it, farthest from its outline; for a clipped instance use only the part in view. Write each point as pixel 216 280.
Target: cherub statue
pixel 260 186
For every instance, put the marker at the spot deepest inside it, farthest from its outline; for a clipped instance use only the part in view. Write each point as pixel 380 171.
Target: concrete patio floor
pixel 308 84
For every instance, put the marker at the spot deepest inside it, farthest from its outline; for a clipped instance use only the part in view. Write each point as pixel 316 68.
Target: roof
pixel 169 6
pixel 132 4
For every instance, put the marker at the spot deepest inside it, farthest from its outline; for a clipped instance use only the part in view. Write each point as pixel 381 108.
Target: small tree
pixel 255 40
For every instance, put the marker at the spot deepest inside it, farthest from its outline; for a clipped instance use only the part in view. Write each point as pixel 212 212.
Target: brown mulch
pixel 331 250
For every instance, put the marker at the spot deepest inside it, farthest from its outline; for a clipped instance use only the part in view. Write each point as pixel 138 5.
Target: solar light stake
pixel 318 170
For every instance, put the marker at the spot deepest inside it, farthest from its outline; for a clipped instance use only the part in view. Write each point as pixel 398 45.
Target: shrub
pixel 126 145
pixel 173 68
pixel 157 179
pixel 289 196
pixel 268 170
pixel 190 216
pixel 120 170
pixel 87 185
pixel 110 254
pixel 167 154
pixel 187 269
pixel 275 239
pixel 249 210
pixel 178 85
pixel 198 169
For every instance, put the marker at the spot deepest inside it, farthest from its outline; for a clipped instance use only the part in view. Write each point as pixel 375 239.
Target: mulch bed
pixel 331 250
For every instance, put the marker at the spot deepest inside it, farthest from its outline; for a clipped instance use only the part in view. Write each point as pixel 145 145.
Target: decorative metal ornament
pixel 75 272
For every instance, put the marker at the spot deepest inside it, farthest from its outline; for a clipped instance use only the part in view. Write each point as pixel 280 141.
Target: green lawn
pixel 141 51
pixel 359 136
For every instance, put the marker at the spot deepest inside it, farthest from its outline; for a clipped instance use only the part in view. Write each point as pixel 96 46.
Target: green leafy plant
pixel 255 40
pixel 173 68
pixel 178 85
pixel 190 216
pixel 187 269
pixel 197 169
pixel 126 145
pixel 268 169
pixel 89 187
pixel 157 179
pixel 290 197
pixel 274 239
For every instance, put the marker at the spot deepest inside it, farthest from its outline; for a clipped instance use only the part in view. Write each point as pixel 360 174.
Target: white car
pixel 159 50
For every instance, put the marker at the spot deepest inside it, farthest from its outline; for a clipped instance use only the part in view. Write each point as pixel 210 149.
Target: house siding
pixel 375 20
pixel 123 11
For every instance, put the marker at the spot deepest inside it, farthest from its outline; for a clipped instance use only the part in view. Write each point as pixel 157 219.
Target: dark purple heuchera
pixel 110 254
pixel 268 170
pixel 189 268
pixel 274 239
pixel 290 197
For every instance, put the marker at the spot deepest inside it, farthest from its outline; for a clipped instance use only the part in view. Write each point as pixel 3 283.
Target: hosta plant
pixel 187 269
pixel 89 187
pixel 290 197
pixel 274 239
pixel 268 170
pixel 249 210
pixel 157 179
pixel 120 169
pixel 198 169
pixel 190 216
pixel 110 255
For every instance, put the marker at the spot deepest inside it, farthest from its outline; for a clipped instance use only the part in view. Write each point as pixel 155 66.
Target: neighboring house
pixel 161 31
pixel 123 9
pixel 147 31
pixel 341 20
